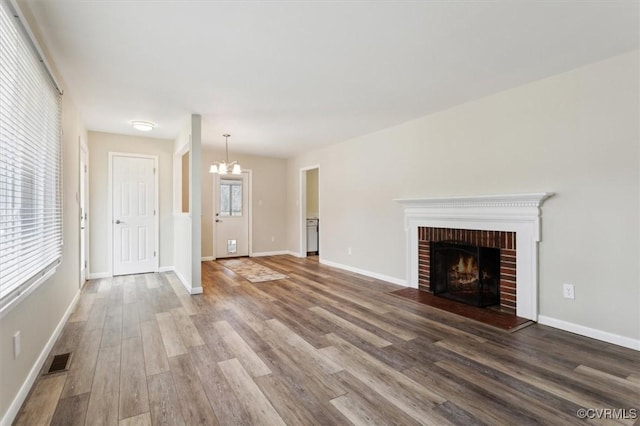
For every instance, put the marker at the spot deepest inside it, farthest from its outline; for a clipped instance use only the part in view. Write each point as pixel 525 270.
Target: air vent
pixel 60 363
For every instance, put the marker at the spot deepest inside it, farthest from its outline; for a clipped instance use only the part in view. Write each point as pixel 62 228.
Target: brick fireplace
pixel 510 222
pixel 503 240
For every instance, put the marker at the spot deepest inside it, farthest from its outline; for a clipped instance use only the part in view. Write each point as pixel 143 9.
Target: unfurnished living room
pixel 319 212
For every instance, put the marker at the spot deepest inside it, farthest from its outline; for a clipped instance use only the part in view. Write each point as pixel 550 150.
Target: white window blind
pixel 30 164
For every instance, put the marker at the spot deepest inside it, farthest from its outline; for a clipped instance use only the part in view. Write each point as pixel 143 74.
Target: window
pixel 230 197
pixel 30 165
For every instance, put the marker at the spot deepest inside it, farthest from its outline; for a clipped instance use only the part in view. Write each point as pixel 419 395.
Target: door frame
pixel 156 175
pixel 214 200
pixel 84 174
pixel 302 210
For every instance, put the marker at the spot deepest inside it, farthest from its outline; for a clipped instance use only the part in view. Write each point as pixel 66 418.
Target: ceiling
pixel 284 77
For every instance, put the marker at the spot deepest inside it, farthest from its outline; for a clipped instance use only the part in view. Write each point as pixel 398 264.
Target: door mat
pixel 252 271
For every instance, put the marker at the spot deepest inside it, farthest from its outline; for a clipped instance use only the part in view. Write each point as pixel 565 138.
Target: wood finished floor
pixel 322 347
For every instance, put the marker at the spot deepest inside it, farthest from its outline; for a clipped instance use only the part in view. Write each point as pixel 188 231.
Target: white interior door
pixel 232 215
pixel 82 198
pixel 133 204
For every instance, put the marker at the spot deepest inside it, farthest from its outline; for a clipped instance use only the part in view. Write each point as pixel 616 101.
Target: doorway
pixel 232 215
pixel 134 219
pixel 309 213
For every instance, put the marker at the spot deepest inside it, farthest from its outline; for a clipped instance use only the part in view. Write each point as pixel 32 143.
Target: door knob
pixel 218 220
pixel 118 222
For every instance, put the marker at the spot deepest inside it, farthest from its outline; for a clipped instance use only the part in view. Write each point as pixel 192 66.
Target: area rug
pixel 252 271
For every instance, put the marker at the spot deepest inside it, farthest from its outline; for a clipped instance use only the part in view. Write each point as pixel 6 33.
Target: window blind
pixel 30 164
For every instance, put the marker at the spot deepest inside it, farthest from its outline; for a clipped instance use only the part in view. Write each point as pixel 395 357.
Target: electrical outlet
pixel 273 238
pixel 16 345
pixel 349 250
pixel 568 291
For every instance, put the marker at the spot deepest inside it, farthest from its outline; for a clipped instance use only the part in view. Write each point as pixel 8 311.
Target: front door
pixel 133 203
pixel 232 215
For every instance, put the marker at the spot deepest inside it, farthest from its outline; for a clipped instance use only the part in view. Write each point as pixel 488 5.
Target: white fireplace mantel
pixel 519 213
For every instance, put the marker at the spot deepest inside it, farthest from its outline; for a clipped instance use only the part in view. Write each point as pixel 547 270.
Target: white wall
pixel 38 315
pixel 576 134
pixel 100 144
pixel 268 196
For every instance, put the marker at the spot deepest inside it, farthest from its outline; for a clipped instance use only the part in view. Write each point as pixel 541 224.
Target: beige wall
pixel 575 134
pixel 312 193
pixel 37 316
pixel 268 200
pixel 100 144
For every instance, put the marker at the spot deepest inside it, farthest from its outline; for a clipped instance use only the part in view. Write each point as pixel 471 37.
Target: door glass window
pixel 230 198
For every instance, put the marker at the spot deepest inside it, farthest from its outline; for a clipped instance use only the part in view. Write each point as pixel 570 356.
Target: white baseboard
pixel 98 275
pixel 375 275
pixel 17 402
pixel 183 280
pixel 271 253
pixel 605 336
pixel 166 269
pixel 207 258
pixel 196 290
pixel 292 253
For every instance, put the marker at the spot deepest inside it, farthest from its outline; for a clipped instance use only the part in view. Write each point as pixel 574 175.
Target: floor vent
pixel 60 363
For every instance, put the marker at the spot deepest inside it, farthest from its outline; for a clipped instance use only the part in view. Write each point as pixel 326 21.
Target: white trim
pixel 9 303
pixel 207 258
pixel 190 290
pixel 167 269
pixel 605 336
pixel 519 213
pixel 84 174
pixel 273 253
pixel 302 209
pixel 156 206
pixel 393 280
pixel 292 253
pixel 98 275
pixel 22 394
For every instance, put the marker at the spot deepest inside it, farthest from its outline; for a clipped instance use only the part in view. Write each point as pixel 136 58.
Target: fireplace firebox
pixel 465 273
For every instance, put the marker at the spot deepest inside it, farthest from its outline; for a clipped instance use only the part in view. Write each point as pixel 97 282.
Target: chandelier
pixel 224 167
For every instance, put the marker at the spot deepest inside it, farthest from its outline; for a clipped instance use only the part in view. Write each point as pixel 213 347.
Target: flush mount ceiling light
pixel 224 167
pixel 143 126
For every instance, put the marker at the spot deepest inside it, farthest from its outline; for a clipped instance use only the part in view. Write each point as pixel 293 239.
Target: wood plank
pixel 170 336
pixel 255 403
pixel 164 404
pixel 83 308
pixel 155 355
pixel 134 399
pixel 41 405
pixel 139 420
pixel 103 402
pixel 130 322
pixel 408 395
pixel 112 333
pixel 188 331
pixel 226 405
pixel 129 290
pixel 303 349
pixel 362 403
pixel 241 350
pixel 284 401
pixel 365 335
pixel 83 365
pixel 71 411
pixel 195 406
